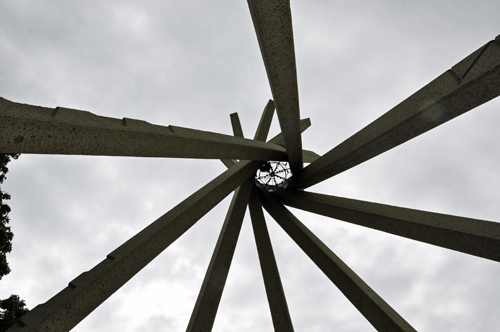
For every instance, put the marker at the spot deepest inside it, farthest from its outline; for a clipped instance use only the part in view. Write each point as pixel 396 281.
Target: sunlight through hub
pixel 273 175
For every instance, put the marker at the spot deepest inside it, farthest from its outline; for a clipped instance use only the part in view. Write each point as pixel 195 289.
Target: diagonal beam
pixel 369 304
pixel 272 281
pixel 91 288
pixel 273 25
pixel 471 236
pixel 207 303
pixel 265 122
pixel 470 83
pixel 34 129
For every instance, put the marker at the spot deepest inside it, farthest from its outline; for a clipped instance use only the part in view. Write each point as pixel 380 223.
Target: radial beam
pixel 369 304
pixel 270 273
pixel 273 25
pixel 91 288
pixel 207 303
pixel 471 236
pixel 34 129
pixel 236 125
pixel 265 122
pixel 470 83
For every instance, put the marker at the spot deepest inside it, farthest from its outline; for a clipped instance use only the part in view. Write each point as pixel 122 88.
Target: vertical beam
pixel 369 304
pixel 41 130
pixel 273 25
pixel 91 288
pixel 471 236
pixel 265 122
pixel 274 288
pixel 236 124
pixel 207 303
pixel 470 83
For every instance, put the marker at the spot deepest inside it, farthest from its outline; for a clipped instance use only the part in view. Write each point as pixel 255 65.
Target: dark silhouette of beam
pixel 470 83
pixel 207 303
pixel 369 304
pixel 40 130
pixel 471 236
pixel 270 273
pixel 85 293
pixel 273 25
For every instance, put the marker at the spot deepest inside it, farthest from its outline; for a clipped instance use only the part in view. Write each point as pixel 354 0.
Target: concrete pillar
pixel 273 25
pixel 207 303
pixel 91 288
pixel 470 83
pixel 272 281
pixel 34 129
pixel 471 236
pixel 369 304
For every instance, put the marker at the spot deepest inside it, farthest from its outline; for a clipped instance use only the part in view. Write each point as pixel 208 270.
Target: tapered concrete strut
pixel 91 288
pixel 272 281
pixel 273 25
pixel 471 236
pixel 34 129
pixel 265 122
pixel 470 83
pixel 369 304
pixel 207 303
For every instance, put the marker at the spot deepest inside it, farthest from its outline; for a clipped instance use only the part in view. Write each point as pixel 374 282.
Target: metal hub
pixel 273 175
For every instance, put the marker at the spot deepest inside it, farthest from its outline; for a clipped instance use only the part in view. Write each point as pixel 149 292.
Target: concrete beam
pixel 265 122
pixel 471 236
pixel 270 273
pixel 470 83
pixel 236 124
pixel 207 303
pixel 309 156
pixel 273 25
pixel 91 288
pixel 373 307
pixel 34 129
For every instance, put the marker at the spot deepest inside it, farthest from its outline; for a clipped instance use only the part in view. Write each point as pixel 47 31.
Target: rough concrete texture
pixel 470 83
pixel 272 281
pixel 273 25
pixel 207 303
pixel 369 304
pixel 471 236
pixel 85 293
pixel 34 129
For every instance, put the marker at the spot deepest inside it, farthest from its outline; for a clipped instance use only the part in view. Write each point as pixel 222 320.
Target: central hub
pixel 273 175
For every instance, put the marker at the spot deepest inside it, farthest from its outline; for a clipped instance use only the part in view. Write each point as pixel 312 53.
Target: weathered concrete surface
pixel 273 25
pixel 34 129
pixel 471 236
pixel 207 303
pixel 369 304
pixel 472 82
pixel 270 273
pixel 265 122
pixel 91 288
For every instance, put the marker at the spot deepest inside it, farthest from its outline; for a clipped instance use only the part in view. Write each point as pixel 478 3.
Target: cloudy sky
pixel 191 64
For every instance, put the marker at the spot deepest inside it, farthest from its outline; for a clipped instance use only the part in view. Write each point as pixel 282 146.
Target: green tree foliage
pixel 6 234
pixel 11 310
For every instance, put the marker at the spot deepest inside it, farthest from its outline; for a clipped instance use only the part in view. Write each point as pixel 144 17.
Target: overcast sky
pixel 191 64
